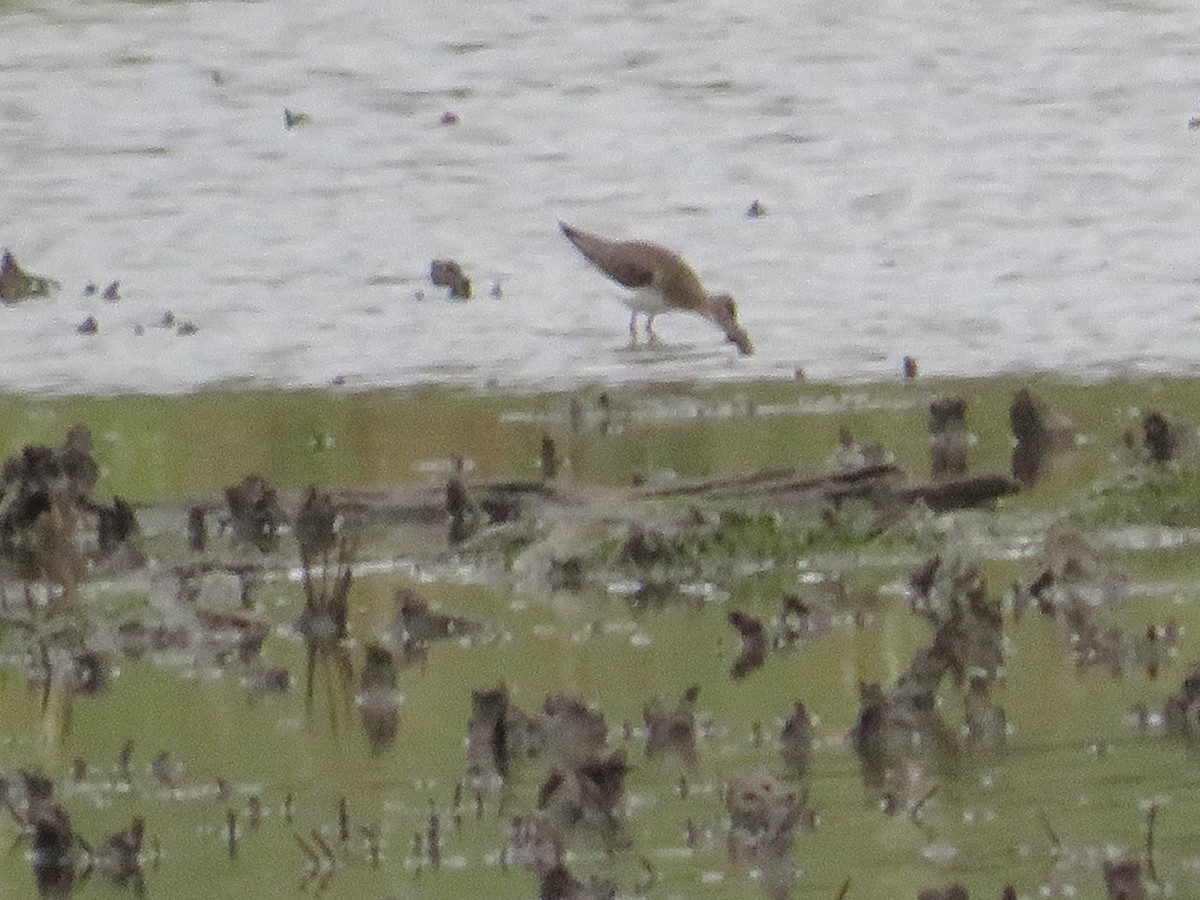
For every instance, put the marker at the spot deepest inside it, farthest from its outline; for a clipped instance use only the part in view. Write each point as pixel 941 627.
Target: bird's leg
pixel 651 337
pixel 633 328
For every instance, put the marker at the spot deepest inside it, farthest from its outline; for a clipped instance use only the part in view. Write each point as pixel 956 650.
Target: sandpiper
pixel 661 282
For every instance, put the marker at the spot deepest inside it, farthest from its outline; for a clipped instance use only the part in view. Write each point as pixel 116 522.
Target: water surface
pixel 987 187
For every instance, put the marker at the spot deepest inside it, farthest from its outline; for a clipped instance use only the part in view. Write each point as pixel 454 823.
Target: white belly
pixel 645 300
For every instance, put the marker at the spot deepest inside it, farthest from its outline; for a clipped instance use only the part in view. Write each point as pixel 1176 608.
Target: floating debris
pixel 448 273
pixel 294 119
pixel 16 284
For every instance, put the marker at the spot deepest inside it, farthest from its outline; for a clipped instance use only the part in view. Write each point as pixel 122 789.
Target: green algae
pixel 1072 753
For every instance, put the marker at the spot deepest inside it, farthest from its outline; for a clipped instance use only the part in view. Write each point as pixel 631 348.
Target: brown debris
pixel 16 284
pixel 950 892
pixel 255 514
pixel 499 733
pixel 672 729
pixel 572 733
pixel 415 623
pixel 448 273
pixel 45 502
pixel 1123 880
pixel 589 794
pixel 559 884
pixel 377 706
pixel 316 526
pixel 948 437
pixel 1037 434
pixel 763 817
pixel 754 644
pixel 795 741
pixel 534 844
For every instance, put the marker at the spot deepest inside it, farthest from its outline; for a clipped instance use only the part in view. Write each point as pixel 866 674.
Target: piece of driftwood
pixel 961 493
pixel 883 483
pixel 780 483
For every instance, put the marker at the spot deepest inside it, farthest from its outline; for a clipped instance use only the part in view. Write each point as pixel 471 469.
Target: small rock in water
pixel 88 326
pixel 112 293
pixel 449 117
pixel 756 210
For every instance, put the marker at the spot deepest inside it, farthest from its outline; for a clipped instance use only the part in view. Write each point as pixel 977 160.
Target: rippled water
pixel 985 186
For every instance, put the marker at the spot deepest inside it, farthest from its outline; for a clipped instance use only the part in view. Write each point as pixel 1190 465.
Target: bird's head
pixel 723 310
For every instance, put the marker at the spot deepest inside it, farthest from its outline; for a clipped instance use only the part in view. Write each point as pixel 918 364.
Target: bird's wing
pixel 625 262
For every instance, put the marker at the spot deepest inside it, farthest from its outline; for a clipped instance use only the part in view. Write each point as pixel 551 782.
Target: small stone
pixel 88 326
pixel 756 211
pixel 112 293
pixel 449 118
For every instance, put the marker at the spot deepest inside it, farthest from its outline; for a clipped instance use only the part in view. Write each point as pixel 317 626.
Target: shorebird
pixel 661 282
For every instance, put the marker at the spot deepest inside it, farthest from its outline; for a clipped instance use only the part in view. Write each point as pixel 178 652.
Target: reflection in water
pixel 763 817
pixel 60 857
pixel 377 704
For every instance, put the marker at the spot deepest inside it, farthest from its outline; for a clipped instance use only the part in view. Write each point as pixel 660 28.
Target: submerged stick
pixel 1055 843
pixel 1151 817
